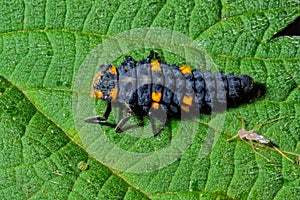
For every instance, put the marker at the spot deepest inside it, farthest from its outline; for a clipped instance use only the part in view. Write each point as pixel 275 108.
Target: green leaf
pixel 38 161
pixel 47 152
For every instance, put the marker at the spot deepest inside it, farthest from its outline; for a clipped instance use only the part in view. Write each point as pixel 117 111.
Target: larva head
pixel 105 83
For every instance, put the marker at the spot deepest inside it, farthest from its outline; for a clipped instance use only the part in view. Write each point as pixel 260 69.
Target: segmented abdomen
pixel 144 85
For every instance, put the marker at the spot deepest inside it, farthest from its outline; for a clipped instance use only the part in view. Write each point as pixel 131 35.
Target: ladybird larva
pixel 149 87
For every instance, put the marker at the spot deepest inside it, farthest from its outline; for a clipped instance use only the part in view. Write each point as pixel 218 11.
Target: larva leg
pixel 155 130
pixel 97 120
pixel 159 114
pixel 107 111
pixel 152 55
pixel 123 121
pixel 153 124
pixel 141 121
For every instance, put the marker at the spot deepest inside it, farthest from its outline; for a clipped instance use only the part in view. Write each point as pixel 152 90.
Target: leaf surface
pixel 46 154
